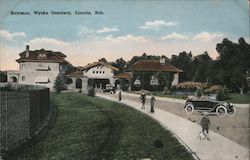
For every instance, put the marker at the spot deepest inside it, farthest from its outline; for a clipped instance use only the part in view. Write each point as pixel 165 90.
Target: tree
pixel 119 63
pixel 59 83
pixel 164 79
pixel 233 62
pixel 103 60
pixel 184 62
pixel 203 68
pixel 3 76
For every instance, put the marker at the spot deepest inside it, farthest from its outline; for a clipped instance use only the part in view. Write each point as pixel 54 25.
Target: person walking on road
pixel 152 103
pixel 205 122
pixel 120 95
pixel 143 99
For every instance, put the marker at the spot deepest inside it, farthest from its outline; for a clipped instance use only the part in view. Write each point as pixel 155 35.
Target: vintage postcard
pixel 124 80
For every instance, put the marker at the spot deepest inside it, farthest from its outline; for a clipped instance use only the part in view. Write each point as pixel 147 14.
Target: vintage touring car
pixel 211 106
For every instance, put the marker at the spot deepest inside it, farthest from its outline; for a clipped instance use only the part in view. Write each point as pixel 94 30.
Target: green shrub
pixel 166 91
pixel 91 92
pixel 223 94
pixel 59 83
pixel 199 92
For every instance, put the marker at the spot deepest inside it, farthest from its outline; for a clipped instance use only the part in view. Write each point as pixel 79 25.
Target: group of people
pixel 205 122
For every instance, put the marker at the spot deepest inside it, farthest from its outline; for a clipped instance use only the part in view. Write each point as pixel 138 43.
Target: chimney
pixel 27 51
pixel 163 60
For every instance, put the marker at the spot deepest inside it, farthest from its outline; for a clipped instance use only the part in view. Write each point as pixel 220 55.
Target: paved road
pixel 236 128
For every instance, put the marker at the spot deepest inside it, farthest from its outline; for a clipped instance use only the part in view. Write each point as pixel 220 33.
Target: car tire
pixel 111 92
pixel 189 108
pixel 221 111
pixel 233 112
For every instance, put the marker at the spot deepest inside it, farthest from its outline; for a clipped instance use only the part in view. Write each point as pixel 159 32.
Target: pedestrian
pixel 143 99
pixel 205 122
pixel 152 103
pixel 120 95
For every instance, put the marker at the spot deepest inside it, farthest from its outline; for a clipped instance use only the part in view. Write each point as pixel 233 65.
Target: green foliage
pixel 91 92
pixel 59 84
pixel 203 68
pixel 199 92
pixel 166 91
pixel 164 79
pixel 184 62
pixel 119 63
pixel 223 94
pixel 3 76
pixel 232 63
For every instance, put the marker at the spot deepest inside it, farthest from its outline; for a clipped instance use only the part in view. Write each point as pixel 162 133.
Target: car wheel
pixel 111 92
pixel 221 111
pixel 232 112
pixel 189 108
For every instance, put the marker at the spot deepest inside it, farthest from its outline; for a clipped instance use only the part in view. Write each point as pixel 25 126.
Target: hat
pixel 205 113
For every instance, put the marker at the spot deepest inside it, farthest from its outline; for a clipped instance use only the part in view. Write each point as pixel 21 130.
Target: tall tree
pixel 203 68
pixel 233 63
pixel 184 62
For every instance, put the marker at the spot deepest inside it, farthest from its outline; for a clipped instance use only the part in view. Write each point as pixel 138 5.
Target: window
pixel 23 78
pixel 41 56
pixel 22 66
pixel 103 72
pixel 93 71
pixel 96 72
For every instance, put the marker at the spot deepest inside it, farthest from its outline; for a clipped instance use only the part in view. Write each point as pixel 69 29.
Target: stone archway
pixel 78 83
pixel 13 79
pixel 69 81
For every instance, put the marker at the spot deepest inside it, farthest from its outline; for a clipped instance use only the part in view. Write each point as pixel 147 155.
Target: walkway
pixel 219 148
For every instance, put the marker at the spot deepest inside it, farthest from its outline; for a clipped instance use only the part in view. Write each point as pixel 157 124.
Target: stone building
pixel 38 67
pixel 155 66
pixel 97 75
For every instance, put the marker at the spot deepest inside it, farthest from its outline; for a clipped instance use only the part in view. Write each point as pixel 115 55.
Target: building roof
pixel 91 65
pixel 53 57
pixel 123 75
pixel 76 74
pixel 152 65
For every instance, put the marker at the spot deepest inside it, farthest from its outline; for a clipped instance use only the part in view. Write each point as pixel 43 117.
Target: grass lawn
pixel 238 98
pixel 89 128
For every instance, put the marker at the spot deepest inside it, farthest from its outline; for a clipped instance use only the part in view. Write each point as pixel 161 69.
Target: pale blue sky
pixel 127 28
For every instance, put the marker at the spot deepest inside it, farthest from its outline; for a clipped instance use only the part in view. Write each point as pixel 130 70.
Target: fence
pixel 22 111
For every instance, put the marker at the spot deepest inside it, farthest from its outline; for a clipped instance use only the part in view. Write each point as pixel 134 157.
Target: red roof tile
pixel 54 57
pixel 153 65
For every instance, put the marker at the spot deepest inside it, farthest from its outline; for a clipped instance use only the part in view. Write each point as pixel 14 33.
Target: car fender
pixel 219 104
pixel 187 104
